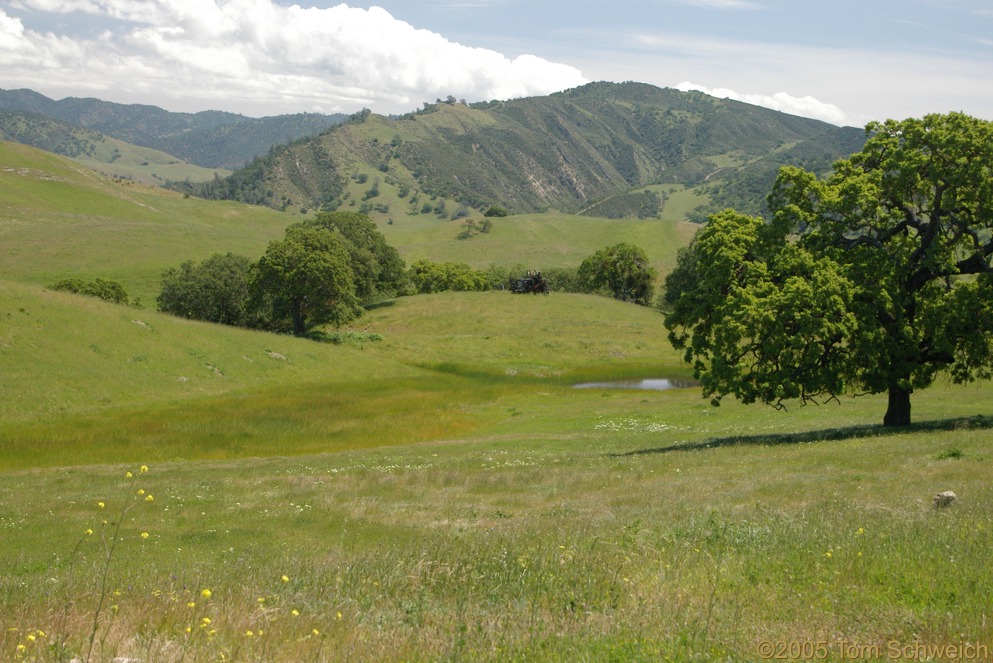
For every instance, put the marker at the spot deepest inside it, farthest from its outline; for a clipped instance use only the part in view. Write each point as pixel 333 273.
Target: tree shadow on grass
pixel 824 435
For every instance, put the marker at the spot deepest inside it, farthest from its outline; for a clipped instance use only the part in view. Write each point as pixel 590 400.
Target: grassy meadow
pixel 435 488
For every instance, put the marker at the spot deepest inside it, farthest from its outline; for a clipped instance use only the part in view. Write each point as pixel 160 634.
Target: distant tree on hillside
pixel 215 290
pixel 428 277
pixel 622 270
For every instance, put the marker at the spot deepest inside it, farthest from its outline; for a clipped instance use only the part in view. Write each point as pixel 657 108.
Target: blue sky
pixel 842 61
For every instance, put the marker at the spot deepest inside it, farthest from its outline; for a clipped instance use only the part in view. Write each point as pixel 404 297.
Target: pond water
pixel 649 384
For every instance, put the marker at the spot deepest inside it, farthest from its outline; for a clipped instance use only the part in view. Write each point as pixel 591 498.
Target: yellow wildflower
pixel 205 593
pixel 101 505
pixel 143 469
pixel 284 578
pixel 144 535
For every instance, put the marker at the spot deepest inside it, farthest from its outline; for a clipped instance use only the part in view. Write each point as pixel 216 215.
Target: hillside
pixel 59 220
pixel 210 139
pixel 567 151
pixel 110 156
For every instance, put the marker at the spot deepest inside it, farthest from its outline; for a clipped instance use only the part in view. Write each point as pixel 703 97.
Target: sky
pixel 846 62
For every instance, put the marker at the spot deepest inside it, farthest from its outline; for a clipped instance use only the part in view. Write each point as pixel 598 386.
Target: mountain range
pixel 606 149
pixel 603 149
pixel 210 139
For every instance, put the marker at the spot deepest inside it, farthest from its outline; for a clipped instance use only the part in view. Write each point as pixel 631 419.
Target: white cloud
pixel 256 54
pixel 780 101
pixel 867 82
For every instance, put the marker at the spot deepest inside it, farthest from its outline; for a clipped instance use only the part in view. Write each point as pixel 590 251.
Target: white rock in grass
pixel 945 499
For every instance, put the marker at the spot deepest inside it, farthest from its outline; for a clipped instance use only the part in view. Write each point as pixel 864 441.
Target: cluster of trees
pixel 874 280
pixel 322 272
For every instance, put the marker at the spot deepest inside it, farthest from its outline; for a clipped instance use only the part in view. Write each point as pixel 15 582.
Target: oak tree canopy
pixel 873 280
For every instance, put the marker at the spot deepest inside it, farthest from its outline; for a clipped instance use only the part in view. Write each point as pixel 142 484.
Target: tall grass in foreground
pixel 549 548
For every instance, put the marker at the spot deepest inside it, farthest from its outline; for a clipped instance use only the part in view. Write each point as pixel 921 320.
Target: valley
pixel 433 487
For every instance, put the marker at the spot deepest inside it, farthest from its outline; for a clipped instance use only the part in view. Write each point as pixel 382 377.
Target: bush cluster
pixel 322 272
pixel 109 291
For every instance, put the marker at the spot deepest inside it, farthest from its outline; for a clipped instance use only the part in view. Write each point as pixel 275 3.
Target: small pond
pixel 649 384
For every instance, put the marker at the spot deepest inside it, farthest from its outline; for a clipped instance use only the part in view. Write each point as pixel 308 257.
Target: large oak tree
pixel 306 280
pixel 875 279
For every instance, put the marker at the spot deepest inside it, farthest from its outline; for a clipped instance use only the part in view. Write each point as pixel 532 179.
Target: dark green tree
pixel 305 280
pixel 622 270
pixel 215 290
pixel 873 280
pixel 379 271
pixel 109 291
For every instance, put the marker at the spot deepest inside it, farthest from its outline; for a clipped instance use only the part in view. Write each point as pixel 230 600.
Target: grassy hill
pixel 60 220
pixel 569 151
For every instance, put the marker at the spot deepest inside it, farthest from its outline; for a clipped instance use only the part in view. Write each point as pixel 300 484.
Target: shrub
pixel 109 291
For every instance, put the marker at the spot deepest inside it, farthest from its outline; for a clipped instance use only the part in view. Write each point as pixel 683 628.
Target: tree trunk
pixel 299 326
pixel 898 410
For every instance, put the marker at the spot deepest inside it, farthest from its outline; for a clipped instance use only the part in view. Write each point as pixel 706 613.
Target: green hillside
pixel 568 151
pixel 60 220
pixel 63 221
pixel 104 154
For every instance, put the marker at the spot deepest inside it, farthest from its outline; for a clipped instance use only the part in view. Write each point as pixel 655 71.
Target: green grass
pixel 60 220
pixel 445 493
pixel 156 387
pixel 582 543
